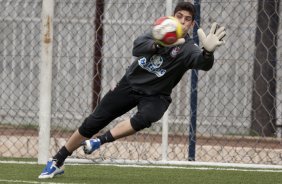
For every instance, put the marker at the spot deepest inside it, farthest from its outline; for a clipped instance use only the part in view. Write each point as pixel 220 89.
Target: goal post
pixel 45 90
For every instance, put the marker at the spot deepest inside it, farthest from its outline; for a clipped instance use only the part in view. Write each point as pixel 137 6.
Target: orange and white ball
pixel 167 30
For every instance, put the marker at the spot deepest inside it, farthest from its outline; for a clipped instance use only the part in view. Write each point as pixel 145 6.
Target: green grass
pixel 100 174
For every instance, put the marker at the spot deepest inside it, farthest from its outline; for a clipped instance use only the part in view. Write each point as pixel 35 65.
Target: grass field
pixel 121 174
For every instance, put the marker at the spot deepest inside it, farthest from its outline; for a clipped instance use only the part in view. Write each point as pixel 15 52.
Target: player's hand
pixel 214 38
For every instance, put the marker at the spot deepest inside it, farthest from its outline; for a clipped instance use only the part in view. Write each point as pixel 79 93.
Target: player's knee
pixel 139 122
pixel 85 129
pixel 94 123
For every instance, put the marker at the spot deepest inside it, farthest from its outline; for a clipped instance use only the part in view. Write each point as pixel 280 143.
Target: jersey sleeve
pixel 143 45
pixel 198 59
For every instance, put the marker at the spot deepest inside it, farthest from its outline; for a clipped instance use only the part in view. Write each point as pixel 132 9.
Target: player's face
pixel 185 18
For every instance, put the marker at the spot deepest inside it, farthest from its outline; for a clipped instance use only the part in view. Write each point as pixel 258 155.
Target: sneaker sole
pixel 51 175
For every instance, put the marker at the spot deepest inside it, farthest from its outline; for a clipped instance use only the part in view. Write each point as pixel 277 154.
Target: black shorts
pixel 119 101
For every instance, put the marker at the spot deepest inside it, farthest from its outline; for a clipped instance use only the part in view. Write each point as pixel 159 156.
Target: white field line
pixel 35 182
pixel 196 168
pixel 174 163
pixel 15 162
pixel 222 168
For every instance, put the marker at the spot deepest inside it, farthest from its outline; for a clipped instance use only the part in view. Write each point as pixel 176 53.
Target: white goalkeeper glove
pixel 214 38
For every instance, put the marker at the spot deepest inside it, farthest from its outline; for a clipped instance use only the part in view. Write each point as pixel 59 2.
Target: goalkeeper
pixel 147 85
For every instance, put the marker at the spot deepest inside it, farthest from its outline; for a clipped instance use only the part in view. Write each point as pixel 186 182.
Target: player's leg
pixel 122 129
pixel 150 109
pixel 115 103
pixel 74 141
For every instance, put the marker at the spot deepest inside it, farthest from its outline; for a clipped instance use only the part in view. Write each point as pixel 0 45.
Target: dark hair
pixel 187 6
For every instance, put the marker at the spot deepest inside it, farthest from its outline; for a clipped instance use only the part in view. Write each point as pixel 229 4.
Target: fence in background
pixel 239 114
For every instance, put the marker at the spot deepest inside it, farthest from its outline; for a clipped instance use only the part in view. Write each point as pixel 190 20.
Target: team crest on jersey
pixel 153 66
pixel 174 51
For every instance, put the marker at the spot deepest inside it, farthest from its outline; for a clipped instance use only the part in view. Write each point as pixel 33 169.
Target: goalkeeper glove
pixel 214 38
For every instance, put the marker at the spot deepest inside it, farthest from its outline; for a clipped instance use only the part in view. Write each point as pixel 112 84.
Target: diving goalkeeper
pixel 147 85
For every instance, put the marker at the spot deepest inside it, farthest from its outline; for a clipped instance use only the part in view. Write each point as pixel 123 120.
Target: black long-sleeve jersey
pixel 158 71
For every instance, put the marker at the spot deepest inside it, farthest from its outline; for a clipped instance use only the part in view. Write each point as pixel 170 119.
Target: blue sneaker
pixel 91 145
pixel 51 170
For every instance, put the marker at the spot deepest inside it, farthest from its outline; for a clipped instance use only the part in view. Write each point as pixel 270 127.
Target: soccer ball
pixel 167 30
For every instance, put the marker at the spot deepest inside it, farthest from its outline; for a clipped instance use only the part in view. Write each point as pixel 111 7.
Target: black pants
pixel 119 101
